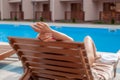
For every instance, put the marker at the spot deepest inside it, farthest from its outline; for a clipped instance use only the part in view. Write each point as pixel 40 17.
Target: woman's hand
pixel 41 27
pixel 46 37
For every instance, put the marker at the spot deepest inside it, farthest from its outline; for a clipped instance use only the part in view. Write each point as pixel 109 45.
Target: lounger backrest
pixel 53 60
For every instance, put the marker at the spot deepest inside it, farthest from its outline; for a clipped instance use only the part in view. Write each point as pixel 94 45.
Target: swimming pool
pixel 107 40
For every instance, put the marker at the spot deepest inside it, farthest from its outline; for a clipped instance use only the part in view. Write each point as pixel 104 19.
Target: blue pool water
pixel 105 39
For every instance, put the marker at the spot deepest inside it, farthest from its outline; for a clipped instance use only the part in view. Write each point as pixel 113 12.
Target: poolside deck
pixel 90 25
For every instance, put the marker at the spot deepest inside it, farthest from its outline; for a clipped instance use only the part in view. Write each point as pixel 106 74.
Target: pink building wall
pixel 91 8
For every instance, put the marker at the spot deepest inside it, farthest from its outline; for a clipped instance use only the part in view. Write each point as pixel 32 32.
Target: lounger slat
pixel 56 63
pixel 56 67
pixel 38 65
pixel 41 78
pixel 38 49
pixel 38 42
pixel 57 73
pixel 56 58
pixel 53 77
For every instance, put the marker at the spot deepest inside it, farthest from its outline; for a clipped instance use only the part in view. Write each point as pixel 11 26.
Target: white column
pixel 52 9
pixel 1 9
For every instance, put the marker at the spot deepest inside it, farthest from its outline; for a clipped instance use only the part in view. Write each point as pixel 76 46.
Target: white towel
pixel 118 53
pixel 109 58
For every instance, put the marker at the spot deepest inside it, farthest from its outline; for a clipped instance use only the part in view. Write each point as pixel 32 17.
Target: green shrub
pixel 41 19
pixel 15 18
pixel 99 22
pixel 73 20
pixel 112 21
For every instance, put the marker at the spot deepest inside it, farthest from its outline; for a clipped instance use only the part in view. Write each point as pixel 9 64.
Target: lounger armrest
pixel 6 54
pixel 26 75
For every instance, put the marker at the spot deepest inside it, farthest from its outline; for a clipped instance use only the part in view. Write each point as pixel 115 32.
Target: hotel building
pixel 55 10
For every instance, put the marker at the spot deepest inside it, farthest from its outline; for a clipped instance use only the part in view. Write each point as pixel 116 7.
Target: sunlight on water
pixel 16 25
pixel 2 37
pixel 57 27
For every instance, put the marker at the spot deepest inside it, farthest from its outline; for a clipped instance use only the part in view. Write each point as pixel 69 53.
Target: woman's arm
pixel 60 36
pixel 46 32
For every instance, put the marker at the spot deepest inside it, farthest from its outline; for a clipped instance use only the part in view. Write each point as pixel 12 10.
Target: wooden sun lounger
pixel 55 60
pixel 52 60
pixel 5 50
